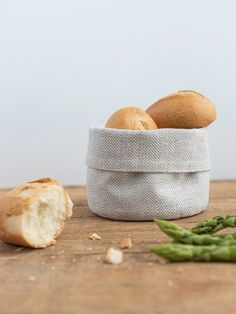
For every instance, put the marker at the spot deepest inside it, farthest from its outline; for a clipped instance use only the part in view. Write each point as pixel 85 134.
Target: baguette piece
pixel 33 214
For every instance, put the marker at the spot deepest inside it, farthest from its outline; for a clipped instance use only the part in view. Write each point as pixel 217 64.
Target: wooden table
pixel 71 276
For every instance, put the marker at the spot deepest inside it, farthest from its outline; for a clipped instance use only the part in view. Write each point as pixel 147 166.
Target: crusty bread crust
pixel 131 118
pixel 183 110
pixel 15 203
pixel 45 181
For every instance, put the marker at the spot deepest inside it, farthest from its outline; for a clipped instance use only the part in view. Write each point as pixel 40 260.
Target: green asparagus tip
pixel 161 223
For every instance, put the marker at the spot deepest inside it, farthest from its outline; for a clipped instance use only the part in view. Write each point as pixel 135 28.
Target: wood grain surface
pixel 71 276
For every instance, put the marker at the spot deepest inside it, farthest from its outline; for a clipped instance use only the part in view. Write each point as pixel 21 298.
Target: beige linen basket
pixel 144 175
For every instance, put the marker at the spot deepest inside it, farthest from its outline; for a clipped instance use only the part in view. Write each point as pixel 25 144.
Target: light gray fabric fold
pixel 164 150
pixel 143 175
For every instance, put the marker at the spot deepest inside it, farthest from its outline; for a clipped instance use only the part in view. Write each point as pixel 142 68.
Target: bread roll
pixel 183 110
pixel 34 213
pixel 131 118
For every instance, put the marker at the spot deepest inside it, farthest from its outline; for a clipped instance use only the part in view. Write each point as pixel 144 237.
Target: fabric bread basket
pixel 144 175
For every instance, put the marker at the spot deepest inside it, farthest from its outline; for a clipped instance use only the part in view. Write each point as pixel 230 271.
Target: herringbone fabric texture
pixel 143 175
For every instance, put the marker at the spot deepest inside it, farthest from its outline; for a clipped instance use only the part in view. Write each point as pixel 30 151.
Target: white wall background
pixel 67 64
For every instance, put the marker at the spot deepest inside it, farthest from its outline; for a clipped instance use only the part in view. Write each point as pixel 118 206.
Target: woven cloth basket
pixel 143 175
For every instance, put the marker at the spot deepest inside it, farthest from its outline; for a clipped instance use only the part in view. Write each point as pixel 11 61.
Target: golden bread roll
pixel 183 110
pixel 131 118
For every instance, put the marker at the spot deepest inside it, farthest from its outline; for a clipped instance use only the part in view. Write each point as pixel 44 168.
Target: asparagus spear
pixel 209 253
pixel 215 224
pixel 183 236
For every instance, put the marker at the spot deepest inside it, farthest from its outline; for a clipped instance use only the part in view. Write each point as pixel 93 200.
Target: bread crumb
pixel 94 236
pixel 113 256
pixel 32 278
pixel 126 244
pixel 52 257
pixel 53 268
